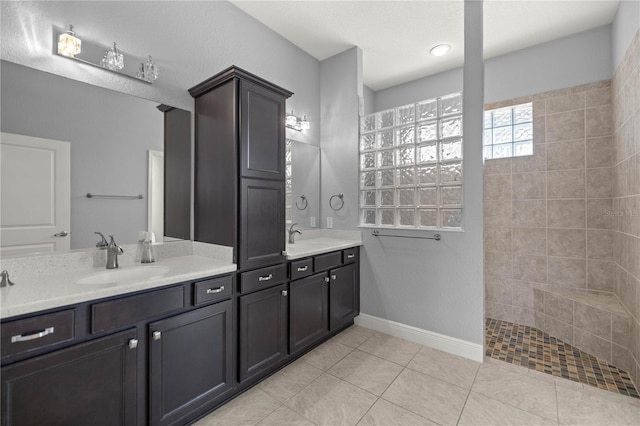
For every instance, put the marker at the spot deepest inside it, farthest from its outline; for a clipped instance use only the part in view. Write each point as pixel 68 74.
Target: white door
pixel 35 203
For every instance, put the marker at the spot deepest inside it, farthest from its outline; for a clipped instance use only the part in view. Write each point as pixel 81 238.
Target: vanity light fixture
pixel 113 59
pixel 294 122
pixel 440 49
pixel 148 71
pixel 68 43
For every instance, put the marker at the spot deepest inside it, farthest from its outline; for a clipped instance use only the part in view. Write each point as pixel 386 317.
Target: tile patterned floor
pixel 534 349
pixel 362 377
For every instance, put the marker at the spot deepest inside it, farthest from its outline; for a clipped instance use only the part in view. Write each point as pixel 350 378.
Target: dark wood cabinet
pixel 308 311
pixel 344 293
pixel 262 223
pixel 240 166
pixel 190 362
pixel 262 340
pixel 91 383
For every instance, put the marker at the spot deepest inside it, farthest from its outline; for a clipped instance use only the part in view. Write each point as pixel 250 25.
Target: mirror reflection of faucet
pixel 102 244
pixel 292 233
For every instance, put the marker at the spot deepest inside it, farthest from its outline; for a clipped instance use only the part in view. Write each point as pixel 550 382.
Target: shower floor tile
pixel 532 348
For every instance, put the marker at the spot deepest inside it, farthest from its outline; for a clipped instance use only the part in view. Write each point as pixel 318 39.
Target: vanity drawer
pixel 263 278
pixel 350 255
pixel 301 268
pixel 214 289
pixel 130 310
pixel 327 261
pixel 37 332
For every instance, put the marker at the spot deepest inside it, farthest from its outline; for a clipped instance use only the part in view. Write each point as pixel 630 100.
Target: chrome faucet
pixel 292 233
pixel 113 250
pixel 102 244
pixel 6 281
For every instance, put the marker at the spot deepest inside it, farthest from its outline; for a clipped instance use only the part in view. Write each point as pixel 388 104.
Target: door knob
pixel 61 234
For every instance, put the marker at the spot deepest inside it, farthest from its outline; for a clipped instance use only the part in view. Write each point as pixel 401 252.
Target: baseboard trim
pixel 438 341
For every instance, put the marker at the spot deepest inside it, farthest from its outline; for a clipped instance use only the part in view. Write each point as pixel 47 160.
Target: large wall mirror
pixel 303 184
pixel 116 148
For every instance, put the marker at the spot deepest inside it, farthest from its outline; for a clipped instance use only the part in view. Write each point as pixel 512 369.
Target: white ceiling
pixel 395 36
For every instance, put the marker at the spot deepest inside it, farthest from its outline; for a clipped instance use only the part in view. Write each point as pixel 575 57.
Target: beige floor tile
pixel 482 410
pixel 331 401
pixel 596 407
pixel 327 354
pixel 366 371
pixel 353 336
pixel 505 365
pixel 432 398
pixel 384 413
pixel 284 416
pixel 448 367
pixel 247 409
pixel 391 348
pixel 290 380
pixel 519 390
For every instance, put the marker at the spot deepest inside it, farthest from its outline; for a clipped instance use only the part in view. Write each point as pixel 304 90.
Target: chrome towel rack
pixel 436 237
pixel 116 197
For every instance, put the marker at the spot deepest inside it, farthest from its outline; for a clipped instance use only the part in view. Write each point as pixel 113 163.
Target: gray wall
pixel 110 134
pixel 569 61
pixel 624 27
pixel 341 87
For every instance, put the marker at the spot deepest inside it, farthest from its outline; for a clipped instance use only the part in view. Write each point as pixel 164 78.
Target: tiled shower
pixel 562 226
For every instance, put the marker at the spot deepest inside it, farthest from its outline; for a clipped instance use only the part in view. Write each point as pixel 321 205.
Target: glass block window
pixel 508 132
pixel 411 166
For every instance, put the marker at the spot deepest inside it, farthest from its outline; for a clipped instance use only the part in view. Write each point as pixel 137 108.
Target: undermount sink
pixel 113 276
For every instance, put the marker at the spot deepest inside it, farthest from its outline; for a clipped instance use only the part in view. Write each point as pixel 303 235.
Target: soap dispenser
pixel 147 250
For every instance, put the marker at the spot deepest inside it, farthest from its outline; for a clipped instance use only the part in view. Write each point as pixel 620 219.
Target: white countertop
pixel 312 246
pixel 39 292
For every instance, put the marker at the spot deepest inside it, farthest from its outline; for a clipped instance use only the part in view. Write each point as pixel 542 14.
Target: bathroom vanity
pixel 171 353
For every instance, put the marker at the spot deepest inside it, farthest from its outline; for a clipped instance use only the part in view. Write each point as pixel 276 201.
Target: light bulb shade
pixel 113 59
pixel 69 44
pixel 304 124
pixel 291 121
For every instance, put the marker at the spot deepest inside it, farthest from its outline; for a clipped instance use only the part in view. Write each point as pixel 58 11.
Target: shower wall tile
pixel 559 329
pixel 497 238
pixel 566 213
pixel 530 240
pixel 566 184
pixel 523 294
pixel 620 329
pixel 529 213
pixel 497 166
pixel 599 183
pixel 531 163
pixel 600 244
pixel 497 187
pixel 592 320
pixel 591 343
pixel 567 272
pixel 558 307
pixel 524 316
pixel 529 185
pixel 497 213
pixel 498 264
pixel 540 131
pixel 566 155
pixel 567 242
pixel 598 97
pixel 498 290
pixel 565 126
pixel 565 103
pixel 530 268
pixel 598 121
pixel 601 275
pixel 599 214
pixel 599 152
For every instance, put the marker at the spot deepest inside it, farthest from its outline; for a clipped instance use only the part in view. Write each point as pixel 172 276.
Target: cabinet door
pixel 344 295
pixel 263 330
pixel 262 132
pixel 91 383
pixel 308 311
pixel 262 223
pixel 190 361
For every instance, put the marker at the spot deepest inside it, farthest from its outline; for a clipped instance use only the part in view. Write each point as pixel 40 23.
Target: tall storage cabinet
pixel 240 166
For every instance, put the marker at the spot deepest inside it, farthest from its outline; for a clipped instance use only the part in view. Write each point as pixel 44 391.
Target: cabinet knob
pixel 326 279
pixel 133 343
pixel 333 277
pixel 285 292
pixel 157 335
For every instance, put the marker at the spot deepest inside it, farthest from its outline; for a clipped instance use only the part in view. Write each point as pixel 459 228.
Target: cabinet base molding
pixel 463 348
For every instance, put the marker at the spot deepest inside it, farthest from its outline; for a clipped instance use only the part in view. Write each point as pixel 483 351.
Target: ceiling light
pixel 68 43
pixel 440 50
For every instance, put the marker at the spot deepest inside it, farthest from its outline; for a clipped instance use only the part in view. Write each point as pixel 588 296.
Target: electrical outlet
pixel 313 222
pixel 329 222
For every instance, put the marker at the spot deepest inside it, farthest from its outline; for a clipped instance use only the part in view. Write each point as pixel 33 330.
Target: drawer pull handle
pixel 333 277
pixel 351 256
pixel 133 343
pixel 37 335
pixel 157 335
pixel 267 278
pixel 303 268
pixel 215 290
